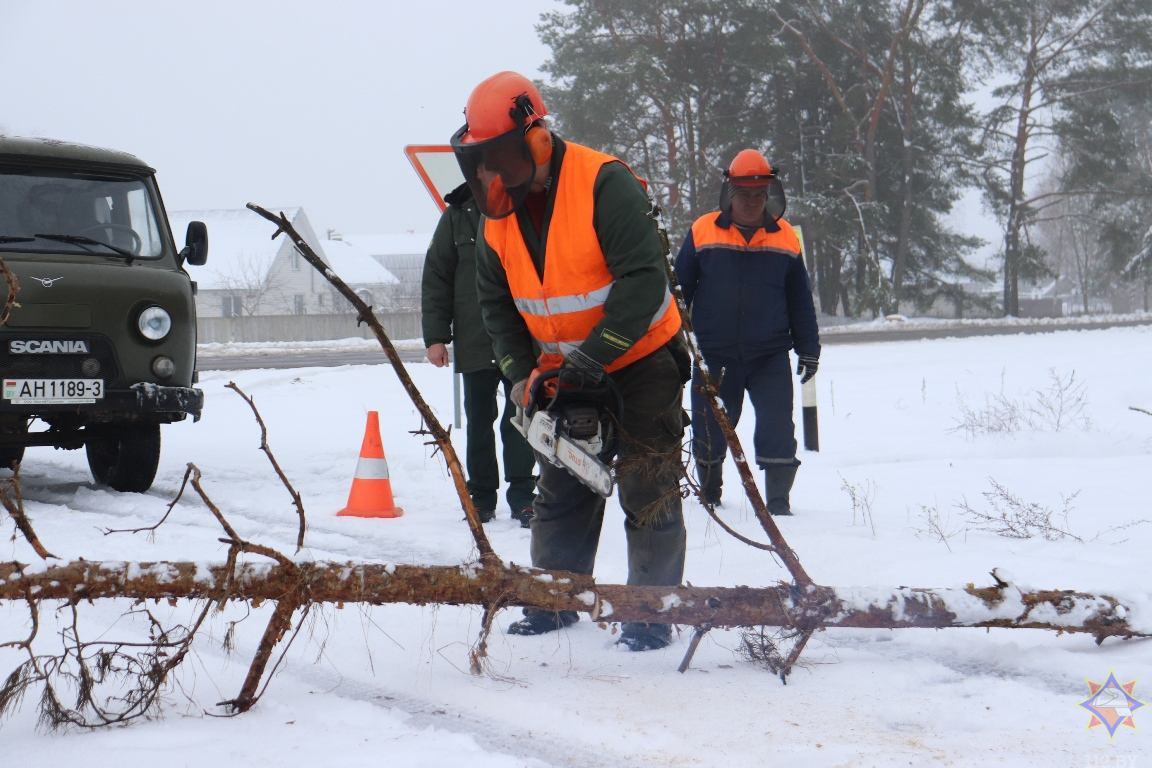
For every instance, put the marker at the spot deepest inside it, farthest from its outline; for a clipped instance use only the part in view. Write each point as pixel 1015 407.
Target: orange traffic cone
pixel 371 494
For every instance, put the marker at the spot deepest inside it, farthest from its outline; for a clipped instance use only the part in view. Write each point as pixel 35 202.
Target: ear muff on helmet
pixel 539 144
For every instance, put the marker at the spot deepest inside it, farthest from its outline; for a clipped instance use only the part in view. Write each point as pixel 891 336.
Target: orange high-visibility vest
pixel 563 309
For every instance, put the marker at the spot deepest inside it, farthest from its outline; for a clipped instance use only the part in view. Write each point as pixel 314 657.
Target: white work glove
pixel 516 395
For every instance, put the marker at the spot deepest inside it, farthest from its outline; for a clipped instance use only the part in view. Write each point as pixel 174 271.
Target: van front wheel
pixel 12 454
pixel 125 457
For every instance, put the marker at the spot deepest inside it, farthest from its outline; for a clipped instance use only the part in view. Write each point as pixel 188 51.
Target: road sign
pixel 437 168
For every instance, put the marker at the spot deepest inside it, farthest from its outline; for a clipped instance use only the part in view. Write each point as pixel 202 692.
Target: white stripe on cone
pixel 372 469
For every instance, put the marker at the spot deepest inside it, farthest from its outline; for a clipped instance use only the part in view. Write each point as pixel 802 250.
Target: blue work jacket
pixel 747 299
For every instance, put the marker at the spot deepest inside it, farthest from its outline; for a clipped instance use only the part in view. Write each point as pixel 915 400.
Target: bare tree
pixel 1050 52
pixel 1068 231
pixel 252 282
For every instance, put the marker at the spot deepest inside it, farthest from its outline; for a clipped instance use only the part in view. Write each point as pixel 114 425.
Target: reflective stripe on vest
pixel 577 302
pixel 563 309
pixel 707 234
pixel 564 348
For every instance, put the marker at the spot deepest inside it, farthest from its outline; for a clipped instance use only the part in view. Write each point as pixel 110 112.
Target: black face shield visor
pixel 499 171
pixel 774 206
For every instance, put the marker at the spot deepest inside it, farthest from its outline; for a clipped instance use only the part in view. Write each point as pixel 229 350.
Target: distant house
pixel 375 284
pixel 403 256
pixel 249 273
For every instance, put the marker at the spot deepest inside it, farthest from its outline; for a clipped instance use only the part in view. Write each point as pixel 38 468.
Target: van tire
pixel 12 454
pixel 125 458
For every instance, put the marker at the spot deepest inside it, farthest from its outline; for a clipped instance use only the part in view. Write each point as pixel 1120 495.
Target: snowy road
pixel 221 357
pixel 389 685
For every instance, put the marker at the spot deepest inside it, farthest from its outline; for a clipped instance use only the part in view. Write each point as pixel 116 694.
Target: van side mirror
pixel 196 244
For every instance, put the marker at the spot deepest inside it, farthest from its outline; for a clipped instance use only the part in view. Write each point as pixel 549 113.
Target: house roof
pixel 355 266
pixel 408 244
pixel 240 244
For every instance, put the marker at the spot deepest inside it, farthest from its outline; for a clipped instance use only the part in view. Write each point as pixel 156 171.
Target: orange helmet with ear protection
pixel 501 144
pixel 502 103
pixel 749 169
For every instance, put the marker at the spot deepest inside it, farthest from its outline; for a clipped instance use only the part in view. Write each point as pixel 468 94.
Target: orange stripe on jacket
pixel 707 234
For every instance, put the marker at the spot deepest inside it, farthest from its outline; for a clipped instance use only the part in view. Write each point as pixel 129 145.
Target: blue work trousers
pixel 768 381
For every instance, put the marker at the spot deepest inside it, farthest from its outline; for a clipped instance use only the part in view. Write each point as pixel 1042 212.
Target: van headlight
pixel 154 323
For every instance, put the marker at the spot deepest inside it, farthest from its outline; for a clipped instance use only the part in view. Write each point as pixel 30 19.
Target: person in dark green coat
pixel 450 313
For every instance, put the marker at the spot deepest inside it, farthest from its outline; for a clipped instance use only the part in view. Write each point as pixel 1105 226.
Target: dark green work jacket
pixel 450 308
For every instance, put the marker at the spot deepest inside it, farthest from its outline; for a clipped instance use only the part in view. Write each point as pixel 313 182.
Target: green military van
pixel 100 347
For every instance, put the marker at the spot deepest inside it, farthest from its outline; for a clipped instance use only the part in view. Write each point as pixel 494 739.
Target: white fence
pixel 398 325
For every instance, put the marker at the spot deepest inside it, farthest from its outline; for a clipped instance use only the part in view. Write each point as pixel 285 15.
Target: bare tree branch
pixel 275 465
pixel 13 502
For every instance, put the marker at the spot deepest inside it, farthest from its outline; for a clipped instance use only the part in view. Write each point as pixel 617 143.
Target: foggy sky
pixel 278 103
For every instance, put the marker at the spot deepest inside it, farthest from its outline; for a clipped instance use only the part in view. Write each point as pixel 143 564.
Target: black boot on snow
pixel 537 622
pixel 711 477
pixel 644 637
pixel 524 515
pixel 777 485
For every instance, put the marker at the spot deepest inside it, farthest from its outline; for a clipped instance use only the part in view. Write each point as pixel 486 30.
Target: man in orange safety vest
pixel 570 261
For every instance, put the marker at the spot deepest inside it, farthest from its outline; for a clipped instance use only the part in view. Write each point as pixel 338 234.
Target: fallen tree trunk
pixel 1002 605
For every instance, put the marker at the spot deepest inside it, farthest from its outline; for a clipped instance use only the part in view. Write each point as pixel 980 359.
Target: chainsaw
pixel 574 426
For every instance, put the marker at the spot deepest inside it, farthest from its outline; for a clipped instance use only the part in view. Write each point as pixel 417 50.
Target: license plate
pixel 53 391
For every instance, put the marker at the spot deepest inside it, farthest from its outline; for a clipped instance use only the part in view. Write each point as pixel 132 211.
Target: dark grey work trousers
pixel 566 526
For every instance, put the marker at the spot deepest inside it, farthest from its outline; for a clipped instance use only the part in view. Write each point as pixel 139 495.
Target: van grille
pixel 60 366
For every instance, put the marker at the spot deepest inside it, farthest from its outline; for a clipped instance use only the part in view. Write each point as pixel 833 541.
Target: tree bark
pixel 808 608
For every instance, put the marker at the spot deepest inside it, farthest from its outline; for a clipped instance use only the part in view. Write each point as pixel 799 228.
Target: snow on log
pixel 783 605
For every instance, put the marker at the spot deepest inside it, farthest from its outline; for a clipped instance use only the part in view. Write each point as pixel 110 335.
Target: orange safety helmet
pixel 750 169
pixel 492 148
pixel 500 104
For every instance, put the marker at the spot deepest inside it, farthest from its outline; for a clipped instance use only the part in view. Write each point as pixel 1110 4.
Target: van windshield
pixel 74 211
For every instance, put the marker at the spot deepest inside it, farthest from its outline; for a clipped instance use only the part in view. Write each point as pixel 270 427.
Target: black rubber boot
pixel 777 485
pixel 637 636
pixel 524 515
pixel 711 477
pixel 537 622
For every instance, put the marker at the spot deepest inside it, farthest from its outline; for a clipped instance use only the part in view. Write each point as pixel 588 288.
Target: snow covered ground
pixel 390 686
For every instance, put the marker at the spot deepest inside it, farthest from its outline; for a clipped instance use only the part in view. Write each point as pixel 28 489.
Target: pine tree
pixel 1045 53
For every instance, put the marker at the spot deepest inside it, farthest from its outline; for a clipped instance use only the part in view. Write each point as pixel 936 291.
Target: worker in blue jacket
pixel 750 300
